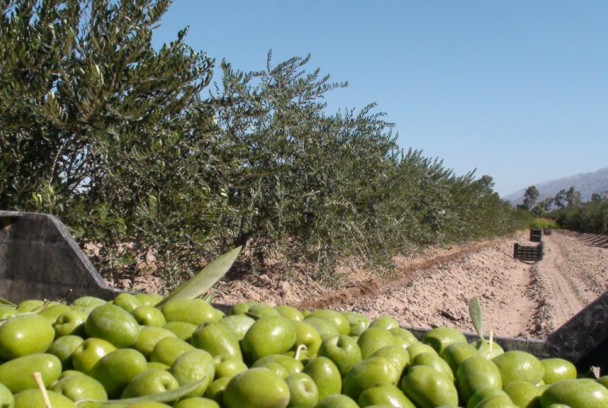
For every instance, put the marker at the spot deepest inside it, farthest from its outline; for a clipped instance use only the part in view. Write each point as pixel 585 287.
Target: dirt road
pixel 519 299
pixel 573 274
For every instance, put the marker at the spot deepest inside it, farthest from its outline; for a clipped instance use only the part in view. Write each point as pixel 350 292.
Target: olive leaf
pixel 205 279
pixel 166 396
pixel 6 302
pixel 476 314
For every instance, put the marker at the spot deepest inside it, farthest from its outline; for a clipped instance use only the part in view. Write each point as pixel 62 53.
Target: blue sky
pixel 517 90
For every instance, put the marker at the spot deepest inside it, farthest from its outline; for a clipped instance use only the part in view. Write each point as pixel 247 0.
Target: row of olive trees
pixel 590 216
pixel 565 198
pixel 323 186
pixel 118 139
pixel 568 209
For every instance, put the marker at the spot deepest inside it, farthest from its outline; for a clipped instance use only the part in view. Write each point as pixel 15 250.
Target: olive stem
pixel 45 396
pixel 299 350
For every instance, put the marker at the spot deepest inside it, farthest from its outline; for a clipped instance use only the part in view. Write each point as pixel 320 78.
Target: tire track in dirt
pixel 572 275
pixel 560 293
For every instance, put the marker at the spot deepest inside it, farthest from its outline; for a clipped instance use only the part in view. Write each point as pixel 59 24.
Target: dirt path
pixel 560 293
pixel 519 299
pixel 440 296
pixel 572 275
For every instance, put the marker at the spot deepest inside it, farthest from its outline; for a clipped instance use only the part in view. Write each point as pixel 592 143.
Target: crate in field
pixel 39 259
pixel 528 252
pixel 536 234
pixel 547 231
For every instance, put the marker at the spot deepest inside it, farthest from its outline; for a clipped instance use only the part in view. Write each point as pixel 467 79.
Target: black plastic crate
pixel 536 235
pixel 532 253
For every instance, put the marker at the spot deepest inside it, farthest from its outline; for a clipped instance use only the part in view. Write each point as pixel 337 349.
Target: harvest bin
pixel 536 235
pixel 529 252
pixel 39 259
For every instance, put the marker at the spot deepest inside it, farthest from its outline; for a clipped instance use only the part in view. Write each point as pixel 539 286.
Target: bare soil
pixel 526 300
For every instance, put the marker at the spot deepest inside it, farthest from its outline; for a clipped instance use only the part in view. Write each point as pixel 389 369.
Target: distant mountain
pixel 586 184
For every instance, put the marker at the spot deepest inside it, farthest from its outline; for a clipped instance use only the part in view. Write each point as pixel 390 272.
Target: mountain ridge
pixel 585 183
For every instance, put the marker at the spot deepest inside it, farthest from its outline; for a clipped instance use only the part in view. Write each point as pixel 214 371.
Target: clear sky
pixel 517 90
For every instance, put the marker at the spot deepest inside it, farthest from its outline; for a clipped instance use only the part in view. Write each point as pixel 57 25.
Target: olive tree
pixel 101 128
pixel 530 196
pixel 307 180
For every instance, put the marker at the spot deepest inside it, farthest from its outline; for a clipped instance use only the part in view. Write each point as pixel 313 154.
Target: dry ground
pixel 527 300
